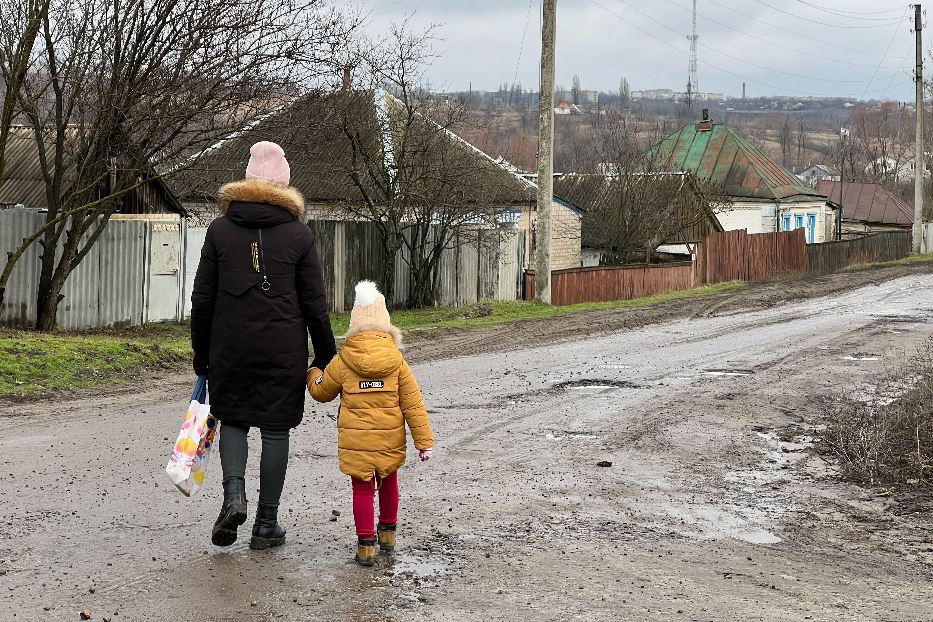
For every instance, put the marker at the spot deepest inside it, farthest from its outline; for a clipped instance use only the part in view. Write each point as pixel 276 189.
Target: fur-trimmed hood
pixel 390 330
pixel 262 191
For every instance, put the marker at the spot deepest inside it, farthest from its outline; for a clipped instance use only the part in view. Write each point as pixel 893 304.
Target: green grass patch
pixel 35 363
pixel 39 363
pixel 905 261
pixel 504 311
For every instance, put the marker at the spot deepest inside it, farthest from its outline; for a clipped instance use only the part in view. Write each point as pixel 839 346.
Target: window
pixel 811 228
pixel 785 222
pixel 798 221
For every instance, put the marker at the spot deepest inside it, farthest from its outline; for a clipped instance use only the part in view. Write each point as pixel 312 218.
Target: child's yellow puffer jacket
pixel 379 395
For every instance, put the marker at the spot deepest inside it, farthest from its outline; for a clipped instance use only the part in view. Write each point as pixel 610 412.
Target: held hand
pixel 425 454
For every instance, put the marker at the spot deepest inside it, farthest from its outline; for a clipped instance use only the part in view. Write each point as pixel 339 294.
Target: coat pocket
pixel 238 283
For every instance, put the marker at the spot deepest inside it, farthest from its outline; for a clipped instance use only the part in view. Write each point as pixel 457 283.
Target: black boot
pixel 232 514
pixel 266 530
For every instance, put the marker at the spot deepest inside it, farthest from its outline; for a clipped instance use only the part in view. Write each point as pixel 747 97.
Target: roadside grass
pixel 905 261
pixel 885 437
pixel 506 311
pixel 38 363
pixel 41 363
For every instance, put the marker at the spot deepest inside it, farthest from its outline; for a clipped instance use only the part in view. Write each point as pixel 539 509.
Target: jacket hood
pixel 371 354
pixel 251 197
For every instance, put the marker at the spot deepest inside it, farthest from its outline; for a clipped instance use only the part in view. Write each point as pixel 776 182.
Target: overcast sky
pixel 789 47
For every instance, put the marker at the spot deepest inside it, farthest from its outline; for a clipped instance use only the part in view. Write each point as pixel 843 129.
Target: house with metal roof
pixel 311 132
pixel 23 185
pixel 867 208
pixel 765 197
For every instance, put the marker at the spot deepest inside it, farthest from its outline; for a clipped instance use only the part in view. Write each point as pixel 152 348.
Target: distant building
pixel 895 169
pixel 589 98
pixel 563 108
pixel 818 172
pixel 654 94
pixel 701 96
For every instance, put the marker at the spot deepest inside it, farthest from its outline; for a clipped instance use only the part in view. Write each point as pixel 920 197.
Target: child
pixel 378 396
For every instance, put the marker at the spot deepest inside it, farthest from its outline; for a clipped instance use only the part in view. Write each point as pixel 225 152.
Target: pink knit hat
pixel 267 161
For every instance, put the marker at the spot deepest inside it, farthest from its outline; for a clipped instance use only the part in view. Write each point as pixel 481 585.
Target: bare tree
pixel 575 90
pixel 22 23
pixel 634 205
pixel 784 138
pixel 117 93
pixel 424 188
pixel 625 94
pixel 801 143
pixel 883 157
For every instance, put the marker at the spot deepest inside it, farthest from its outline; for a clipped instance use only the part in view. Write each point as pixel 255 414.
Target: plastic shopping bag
pixel 187 465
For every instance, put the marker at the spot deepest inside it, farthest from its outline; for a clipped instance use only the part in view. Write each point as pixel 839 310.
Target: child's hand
pixel 425 454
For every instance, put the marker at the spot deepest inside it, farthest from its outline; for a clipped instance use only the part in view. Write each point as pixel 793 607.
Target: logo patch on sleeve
pixel 319 380
pixel 372 384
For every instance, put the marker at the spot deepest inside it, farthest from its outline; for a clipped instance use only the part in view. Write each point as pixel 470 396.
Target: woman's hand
pixel 425 454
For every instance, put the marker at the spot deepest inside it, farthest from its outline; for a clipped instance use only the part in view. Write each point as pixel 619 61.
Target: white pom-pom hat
pixel 369 309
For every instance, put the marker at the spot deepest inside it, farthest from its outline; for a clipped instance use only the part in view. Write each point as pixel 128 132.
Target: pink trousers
pixel 363 504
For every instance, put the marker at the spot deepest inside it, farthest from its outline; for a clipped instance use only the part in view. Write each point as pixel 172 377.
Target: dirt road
pixel 715 506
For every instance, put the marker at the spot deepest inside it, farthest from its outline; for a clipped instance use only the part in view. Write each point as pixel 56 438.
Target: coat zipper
pixel 265 285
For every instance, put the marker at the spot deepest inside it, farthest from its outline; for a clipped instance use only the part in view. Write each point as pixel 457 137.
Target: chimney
pixel 347 82
pixel 705 125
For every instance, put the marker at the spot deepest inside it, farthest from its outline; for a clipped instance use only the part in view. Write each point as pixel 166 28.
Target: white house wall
pixel 743 215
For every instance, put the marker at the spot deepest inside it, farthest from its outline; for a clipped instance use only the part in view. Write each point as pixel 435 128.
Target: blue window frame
pixel 798 221
pixel 811 228
pixel 785 222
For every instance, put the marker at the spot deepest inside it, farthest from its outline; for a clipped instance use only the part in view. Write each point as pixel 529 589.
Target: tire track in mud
pixel 526 334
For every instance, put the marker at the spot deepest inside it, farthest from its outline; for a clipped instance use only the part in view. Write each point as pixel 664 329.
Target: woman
pixel 257 294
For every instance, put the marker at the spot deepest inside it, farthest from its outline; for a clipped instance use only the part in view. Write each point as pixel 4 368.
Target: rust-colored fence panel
pixel 723 257
pixel 739 256
pixel 832 256
pixel 603 284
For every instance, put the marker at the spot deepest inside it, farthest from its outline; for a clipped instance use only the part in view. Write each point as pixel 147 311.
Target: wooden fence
pixel 578 285
pixel 739 256
pixel 721 258
pixel 832 256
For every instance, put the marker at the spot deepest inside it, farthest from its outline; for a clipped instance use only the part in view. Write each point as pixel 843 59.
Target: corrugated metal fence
pixel 479 265
pixel 117 284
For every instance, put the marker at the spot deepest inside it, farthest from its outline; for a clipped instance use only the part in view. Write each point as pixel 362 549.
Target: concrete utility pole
pixel 919 166
pixel 545 155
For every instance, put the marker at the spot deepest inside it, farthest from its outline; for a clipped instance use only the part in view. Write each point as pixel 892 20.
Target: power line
pixel 775 43
pixel 841 11
pixel 856 15
pixel 886 50
pixel 521 48
pixel 755 19
pixel 813 21
pixel 715 68
pixel 743 60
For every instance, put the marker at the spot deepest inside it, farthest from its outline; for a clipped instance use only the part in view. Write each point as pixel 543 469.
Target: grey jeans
pixel 272 464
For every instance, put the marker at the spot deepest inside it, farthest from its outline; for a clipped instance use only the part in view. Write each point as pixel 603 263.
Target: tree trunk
pixel 46 272
pixel 391 243
pixel 50 292
pixel 422 293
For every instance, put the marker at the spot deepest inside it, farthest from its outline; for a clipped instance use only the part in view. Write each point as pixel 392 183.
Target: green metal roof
pixel 723 156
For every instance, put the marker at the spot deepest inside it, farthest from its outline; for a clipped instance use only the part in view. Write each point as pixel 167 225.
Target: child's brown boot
pixel 366 552
pixel 387 536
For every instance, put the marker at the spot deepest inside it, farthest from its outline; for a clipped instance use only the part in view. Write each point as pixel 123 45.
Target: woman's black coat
pixel 257 295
